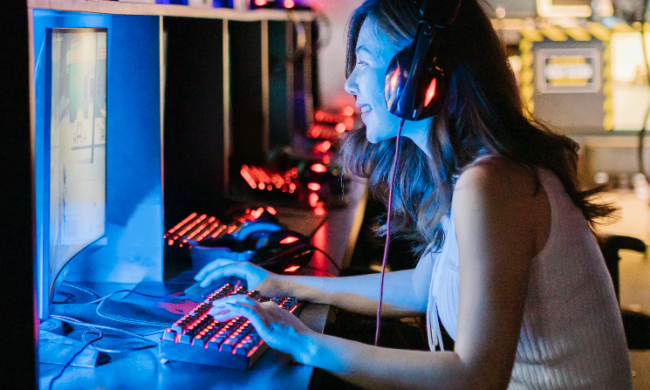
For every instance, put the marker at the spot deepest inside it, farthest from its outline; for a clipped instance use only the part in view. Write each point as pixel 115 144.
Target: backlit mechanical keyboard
pixel 198 338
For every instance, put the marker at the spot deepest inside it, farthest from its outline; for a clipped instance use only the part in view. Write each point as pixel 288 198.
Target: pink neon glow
pixel 247 176
pixel 183 222
pixel 191 226
pixel 293 268
pixel 319 168
pixel 431 92
pixel 313 199
pixel 393 81
pixel 288 240
pixel 221 229
pixel 255 348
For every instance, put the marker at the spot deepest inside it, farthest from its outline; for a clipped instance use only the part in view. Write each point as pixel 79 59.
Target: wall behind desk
pixel 331 57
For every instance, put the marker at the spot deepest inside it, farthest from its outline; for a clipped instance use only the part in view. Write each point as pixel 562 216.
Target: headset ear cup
pixel 430 93
pixel 395 80
pixel 432 90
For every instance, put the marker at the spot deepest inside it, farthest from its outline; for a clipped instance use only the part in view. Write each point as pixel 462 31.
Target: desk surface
pixel 275 370
pixel 142 370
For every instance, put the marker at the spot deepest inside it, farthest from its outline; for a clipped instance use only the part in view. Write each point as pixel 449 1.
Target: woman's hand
pixel 256 277
pixel 280 329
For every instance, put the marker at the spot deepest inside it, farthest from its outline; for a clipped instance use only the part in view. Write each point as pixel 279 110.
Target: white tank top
pixel 572 335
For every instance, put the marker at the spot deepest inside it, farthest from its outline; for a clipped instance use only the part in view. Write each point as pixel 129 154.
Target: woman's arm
pixel 360 294
pixel 405 292
pixel 501 224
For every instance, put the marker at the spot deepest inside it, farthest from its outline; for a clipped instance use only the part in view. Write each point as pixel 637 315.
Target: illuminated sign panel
pixel 568 70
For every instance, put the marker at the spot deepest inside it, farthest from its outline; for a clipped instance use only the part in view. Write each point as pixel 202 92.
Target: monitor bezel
pixel 46 287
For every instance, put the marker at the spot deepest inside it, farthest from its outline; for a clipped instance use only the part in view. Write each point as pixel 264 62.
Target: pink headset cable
pixel 393 171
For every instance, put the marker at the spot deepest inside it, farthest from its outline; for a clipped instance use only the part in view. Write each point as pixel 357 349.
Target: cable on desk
pixel 328 257
pixel 97 329
pixel 74 357
pixel 68 296
pixel 82 288
pixel 119 336
pixel 130 291
pixel 142 323
pixel 124 350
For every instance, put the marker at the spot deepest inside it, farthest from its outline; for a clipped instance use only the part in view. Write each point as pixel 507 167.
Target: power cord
pixel 100 335
pixel 69 362
pixel 97 329
pixel 331 260
pixel 82 288
pixel 129 291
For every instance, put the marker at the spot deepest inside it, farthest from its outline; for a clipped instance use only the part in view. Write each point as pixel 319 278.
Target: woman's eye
pixel 362 63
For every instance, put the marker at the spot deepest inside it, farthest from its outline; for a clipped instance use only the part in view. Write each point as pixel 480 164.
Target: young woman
pixel 509 264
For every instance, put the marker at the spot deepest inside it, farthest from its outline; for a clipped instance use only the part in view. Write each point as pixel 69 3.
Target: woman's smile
pixel 365 109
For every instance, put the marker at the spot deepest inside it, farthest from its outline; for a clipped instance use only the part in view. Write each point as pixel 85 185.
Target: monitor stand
pixel 55 348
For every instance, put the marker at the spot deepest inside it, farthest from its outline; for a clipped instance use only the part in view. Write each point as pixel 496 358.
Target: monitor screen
pixel 77 144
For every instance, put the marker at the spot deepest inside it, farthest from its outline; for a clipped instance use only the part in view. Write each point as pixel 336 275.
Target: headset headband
pixel 439 13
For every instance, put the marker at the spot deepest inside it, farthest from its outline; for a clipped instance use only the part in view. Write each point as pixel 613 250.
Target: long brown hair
pixel 482 115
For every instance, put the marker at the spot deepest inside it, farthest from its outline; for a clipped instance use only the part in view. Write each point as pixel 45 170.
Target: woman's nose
pixel 351 86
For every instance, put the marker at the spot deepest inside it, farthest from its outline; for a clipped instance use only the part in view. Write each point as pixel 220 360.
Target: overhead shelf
pixel 124 8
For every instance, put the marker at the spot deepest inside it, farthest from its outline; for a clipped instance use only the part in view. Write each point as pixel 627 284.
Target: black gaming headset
pixel 416 82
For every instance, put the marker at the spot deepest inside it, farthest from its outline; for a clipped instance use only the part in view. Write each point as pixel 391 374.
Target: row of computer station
pixel 161 144
pixel 167 137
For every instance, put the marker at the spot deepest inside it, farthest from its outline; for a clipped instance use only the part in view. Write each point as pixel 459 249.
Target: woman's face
pixel 374 52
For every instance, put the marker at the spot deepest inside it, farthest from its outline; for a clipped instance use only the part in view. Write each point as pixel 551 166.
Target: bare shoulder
pixel 504 195
pixel 498 177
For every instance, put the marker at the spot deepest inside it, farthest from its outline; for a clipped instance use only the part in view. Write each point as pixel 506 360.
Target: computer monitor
pixel 100 173
pixel 74 205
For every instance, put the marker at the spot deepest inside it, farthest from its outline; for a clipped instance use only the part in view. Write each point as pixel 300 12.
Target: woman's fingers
pixel 240 305
pixel 253 274
pixel 234 268
pixel 277 327
pixel 211 267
